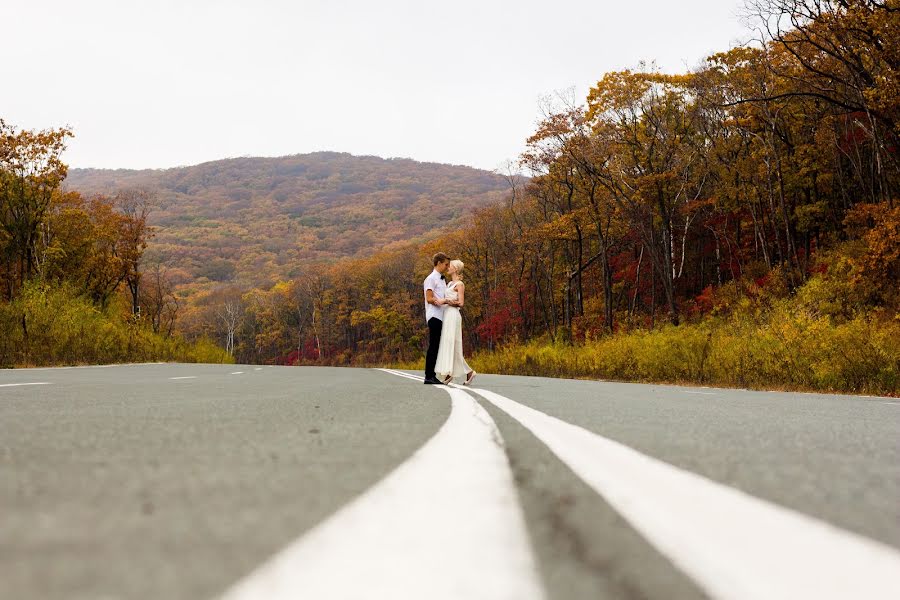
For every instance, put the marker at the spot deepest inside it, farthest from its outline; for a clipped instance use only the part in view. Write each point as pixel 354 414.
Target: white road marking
pixel 258 369
pixel 185 377
pixel 29 383
pixel 445 524
pixel 704 393
pixel 732 544
pixel 402 374
pixel 88 366
pixel 237 373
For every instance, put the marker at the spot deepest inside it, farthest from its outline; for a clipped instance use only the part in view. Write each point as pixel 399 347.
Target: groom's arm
pixel 430 298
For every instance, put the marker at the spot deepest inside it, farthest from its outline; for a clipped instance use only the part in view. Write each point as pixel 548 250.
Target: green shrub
pixel 54 325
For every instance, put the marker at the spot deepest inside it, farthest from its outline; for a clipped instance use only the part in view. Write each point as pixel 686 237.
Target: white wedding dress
pixel 450 359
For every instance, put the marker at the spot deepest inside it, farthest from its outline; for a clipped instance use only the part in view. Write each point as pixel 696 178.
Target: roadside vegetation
pixel 758 337
pixel 75 288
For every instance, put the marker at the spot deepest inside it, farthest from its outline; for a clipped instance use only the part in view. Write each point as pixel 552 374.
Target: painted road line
pixel 445 524
pixel 402 374
pixel 88 366
pixel 692 392
pixel 28 383
pixel 185 377
pixel 732 544
pixel 258 369
pixel 237 373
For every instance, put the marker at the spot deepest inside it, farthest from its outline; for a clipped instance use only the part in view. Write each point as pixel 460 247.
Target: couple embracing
pixel 443 299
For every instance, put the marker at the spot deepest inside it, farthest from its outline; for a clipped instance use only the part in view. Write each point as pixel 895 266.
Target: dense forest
pixel 736 224
pixel 743 213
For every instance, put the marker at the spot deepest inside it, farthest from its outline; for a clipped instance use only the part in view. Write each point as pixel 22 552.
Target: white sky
pixel 164 83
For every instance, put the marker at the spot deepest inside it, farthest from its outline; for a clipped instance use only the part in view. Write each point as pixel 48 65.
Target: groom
pixel 435 288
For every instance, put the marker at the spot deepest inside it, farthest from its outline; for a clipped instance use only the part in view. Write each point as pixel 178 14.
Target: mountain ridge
pixel 253 220
pixel 281 156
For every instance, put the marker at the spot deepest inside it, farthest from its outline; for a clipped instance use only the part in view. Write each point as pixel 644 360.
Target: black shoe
pixel 432 381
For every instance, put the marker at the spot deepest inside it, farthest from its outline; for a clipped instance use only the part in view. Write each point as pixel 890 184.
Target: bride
pixel 450 362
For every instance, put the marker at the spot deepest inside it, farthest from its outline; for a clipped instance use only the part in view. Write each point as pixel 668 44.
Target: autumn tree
pixel 135 204
pixel 654 167
pixel 564 150
pixel 31 172
pixel 157 298
pixel 842 57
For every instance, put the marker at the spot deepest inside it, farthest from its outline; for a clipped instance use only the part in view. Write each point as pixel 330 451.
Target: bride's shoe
pixel 470 377
pixel 447 379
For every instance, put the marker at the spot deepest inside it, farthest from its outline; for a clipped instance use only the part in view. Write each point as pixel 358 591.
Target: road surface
pixel 239 481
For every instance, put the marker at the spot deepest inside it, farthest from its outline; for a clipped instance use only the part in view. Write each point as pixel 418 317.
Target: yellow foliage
pixel 787 346
pixel 53 325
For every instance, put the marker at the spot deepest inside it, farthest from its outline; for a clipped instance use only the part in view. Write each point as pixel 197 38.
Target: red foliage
pixel 704 302
pixel 289 360
pixel 310 352
pixel 821 267
pixel 501 319
pixel 854 132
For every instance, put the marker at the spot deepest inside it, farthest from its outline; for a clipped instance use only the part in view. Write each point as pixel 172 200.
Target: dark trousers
pixel 434 340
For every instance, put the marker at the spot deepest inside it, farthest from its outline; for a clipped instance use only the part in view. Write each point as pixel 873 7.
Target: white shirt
pixel 437 285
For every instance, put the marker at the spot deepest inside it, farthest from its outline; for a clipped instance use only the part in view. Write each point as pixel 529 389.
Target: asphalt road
pixel 184 481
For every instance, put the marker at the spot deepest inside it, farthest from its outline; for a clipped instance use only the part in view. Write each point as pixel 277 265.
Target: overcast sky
pixel 160 83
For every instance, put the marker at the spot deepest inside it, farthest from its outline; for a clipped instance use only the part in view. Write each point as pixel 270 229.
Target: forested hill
pixel 250 219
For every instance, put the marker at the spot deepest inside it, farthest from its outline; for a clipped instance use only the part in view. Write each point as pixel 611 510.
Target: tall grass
pixel 860 356
pixel 53 325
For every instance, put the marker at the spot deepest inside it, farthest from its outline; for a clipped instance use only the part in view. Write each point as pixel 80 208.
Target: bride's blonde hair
pixel 458 265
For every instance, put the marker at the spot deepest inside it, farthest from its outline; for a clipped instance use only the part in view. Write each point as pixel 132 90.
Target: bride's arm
pixel 461 291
